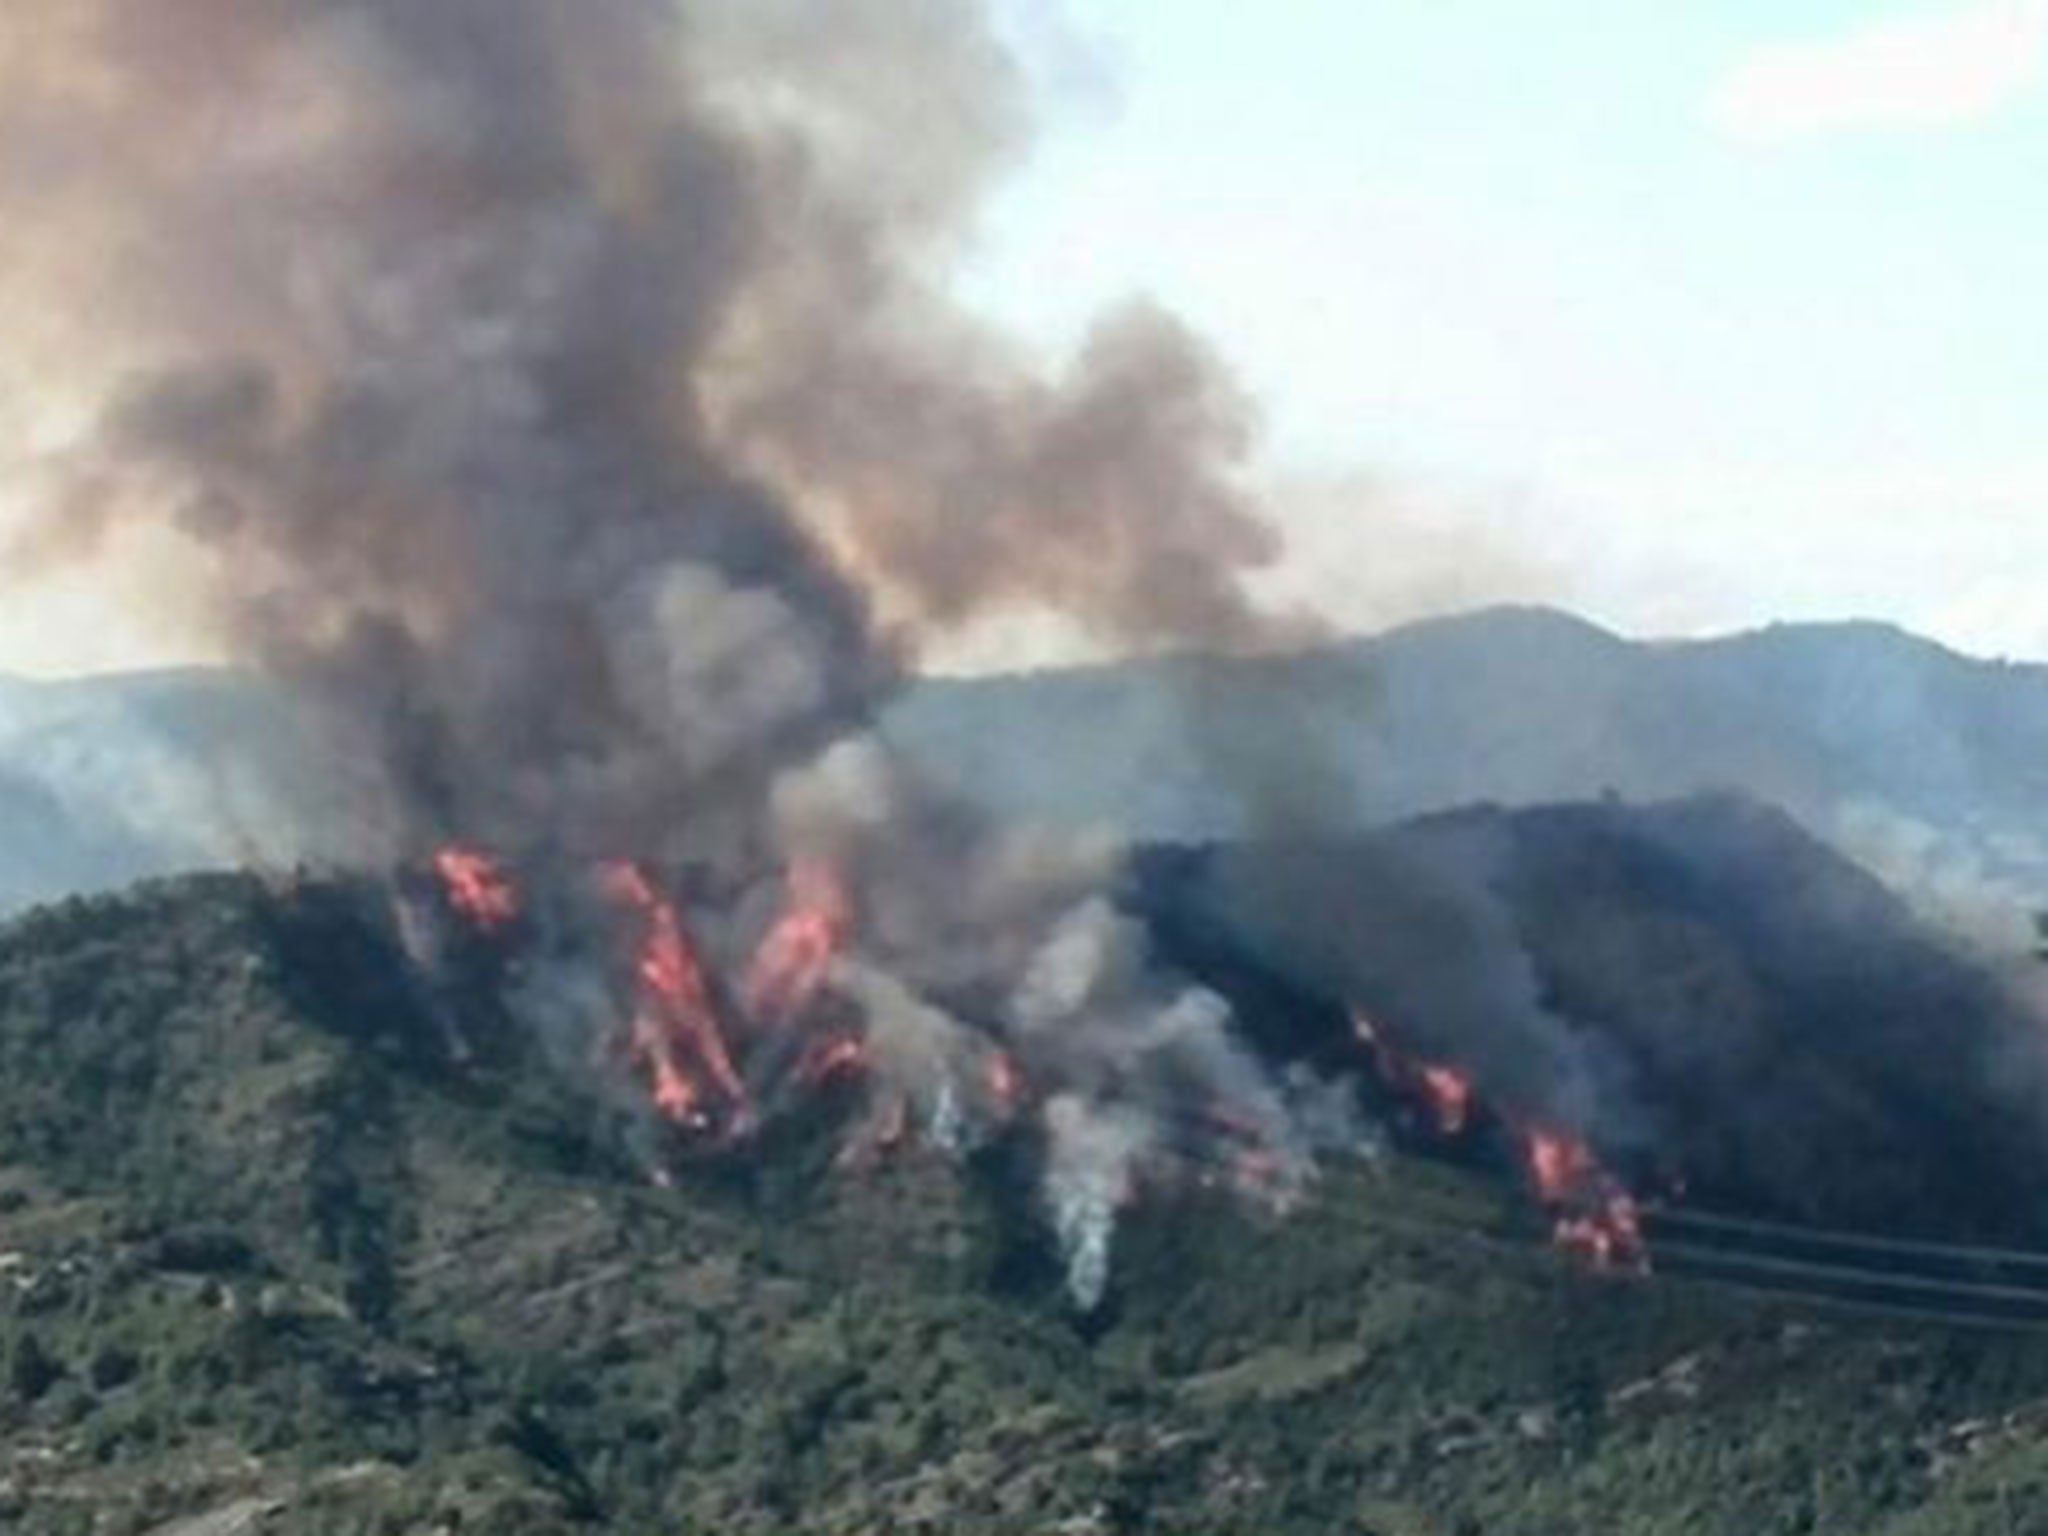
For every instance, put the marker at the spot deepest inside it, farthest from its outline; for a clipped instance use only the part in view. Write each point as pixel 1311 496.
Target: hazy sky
pixel 1692 314
pixel 1713 312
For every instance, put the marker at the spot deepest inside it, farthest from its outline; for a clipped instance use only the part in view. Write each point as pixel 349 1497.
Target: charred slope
pixel 282 1250
pixel 1717 1000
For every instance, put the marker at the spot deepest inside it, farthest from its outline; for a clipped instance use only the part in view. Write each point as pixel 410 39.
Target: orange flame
pixel 1445 1091
pixel 1610 1240
pixel 1595 1219
pixel 1449 1094
pixel 794 960
pixel 1593 1216
pixel 1558 1164
pixel 676 1034
pixel 477 887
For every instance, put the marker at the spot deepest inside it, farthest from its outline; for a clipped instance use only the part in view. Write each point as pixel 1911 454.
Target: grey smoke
pixel 1421 936
pixel 1982 886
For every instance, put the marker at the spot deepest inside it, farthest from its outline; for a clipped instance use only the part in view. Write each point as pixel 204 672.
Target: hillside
pixel 281 1252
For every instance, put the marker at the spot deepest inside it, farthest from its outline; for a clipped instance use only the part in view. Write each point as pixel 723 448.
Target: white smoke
pixel 1092 1155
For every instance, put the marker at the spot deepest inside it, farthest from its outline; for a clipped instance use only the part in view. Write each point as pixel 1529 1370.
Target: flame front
pixel 1593 1216
pixel 1445 1091
pixel 795 959
pixel 678 1039
pixel 676 1035
pixel 1449 1095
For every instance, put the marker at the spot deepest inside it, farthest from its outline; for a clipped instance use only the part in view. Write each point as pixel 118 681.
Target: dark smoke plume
pixel 568 398
pixel 563 384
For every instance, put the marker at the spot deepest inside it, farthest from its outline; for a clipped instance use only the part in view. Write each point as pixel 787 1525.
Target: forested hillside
pixel 282 1249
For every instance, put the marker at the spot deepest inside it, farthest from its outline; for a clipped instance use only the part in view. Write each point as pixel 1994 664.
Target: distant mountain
pixel 1929 765
pixel 107 780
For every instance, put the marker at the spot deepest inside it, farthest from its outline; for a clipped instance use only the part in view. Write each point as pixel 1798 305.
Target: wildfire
pixel 678 1040
pixel 676 1036
pixel 1445 1091
pixel 477 887
pixel 1593 1216
pixel 795 959
pixel 1449 1094
pixel 1558 1164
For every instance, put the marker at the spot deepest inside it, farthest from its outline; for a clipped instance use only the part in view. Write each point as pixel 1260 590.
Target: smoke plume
pixel 566 397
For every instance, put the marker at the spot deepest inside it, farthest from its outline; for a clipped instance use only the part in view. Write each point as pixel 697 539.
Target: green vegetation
pixel 281 1252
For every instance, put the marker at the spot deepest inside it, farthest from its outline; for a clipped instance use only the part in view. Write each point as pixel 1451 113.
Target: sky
pixel 1692 315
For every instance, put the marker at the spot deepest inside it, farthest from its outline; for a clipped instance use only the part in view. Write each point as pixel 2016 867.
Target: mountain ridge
pixel 1929 765
pixel 1866 732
